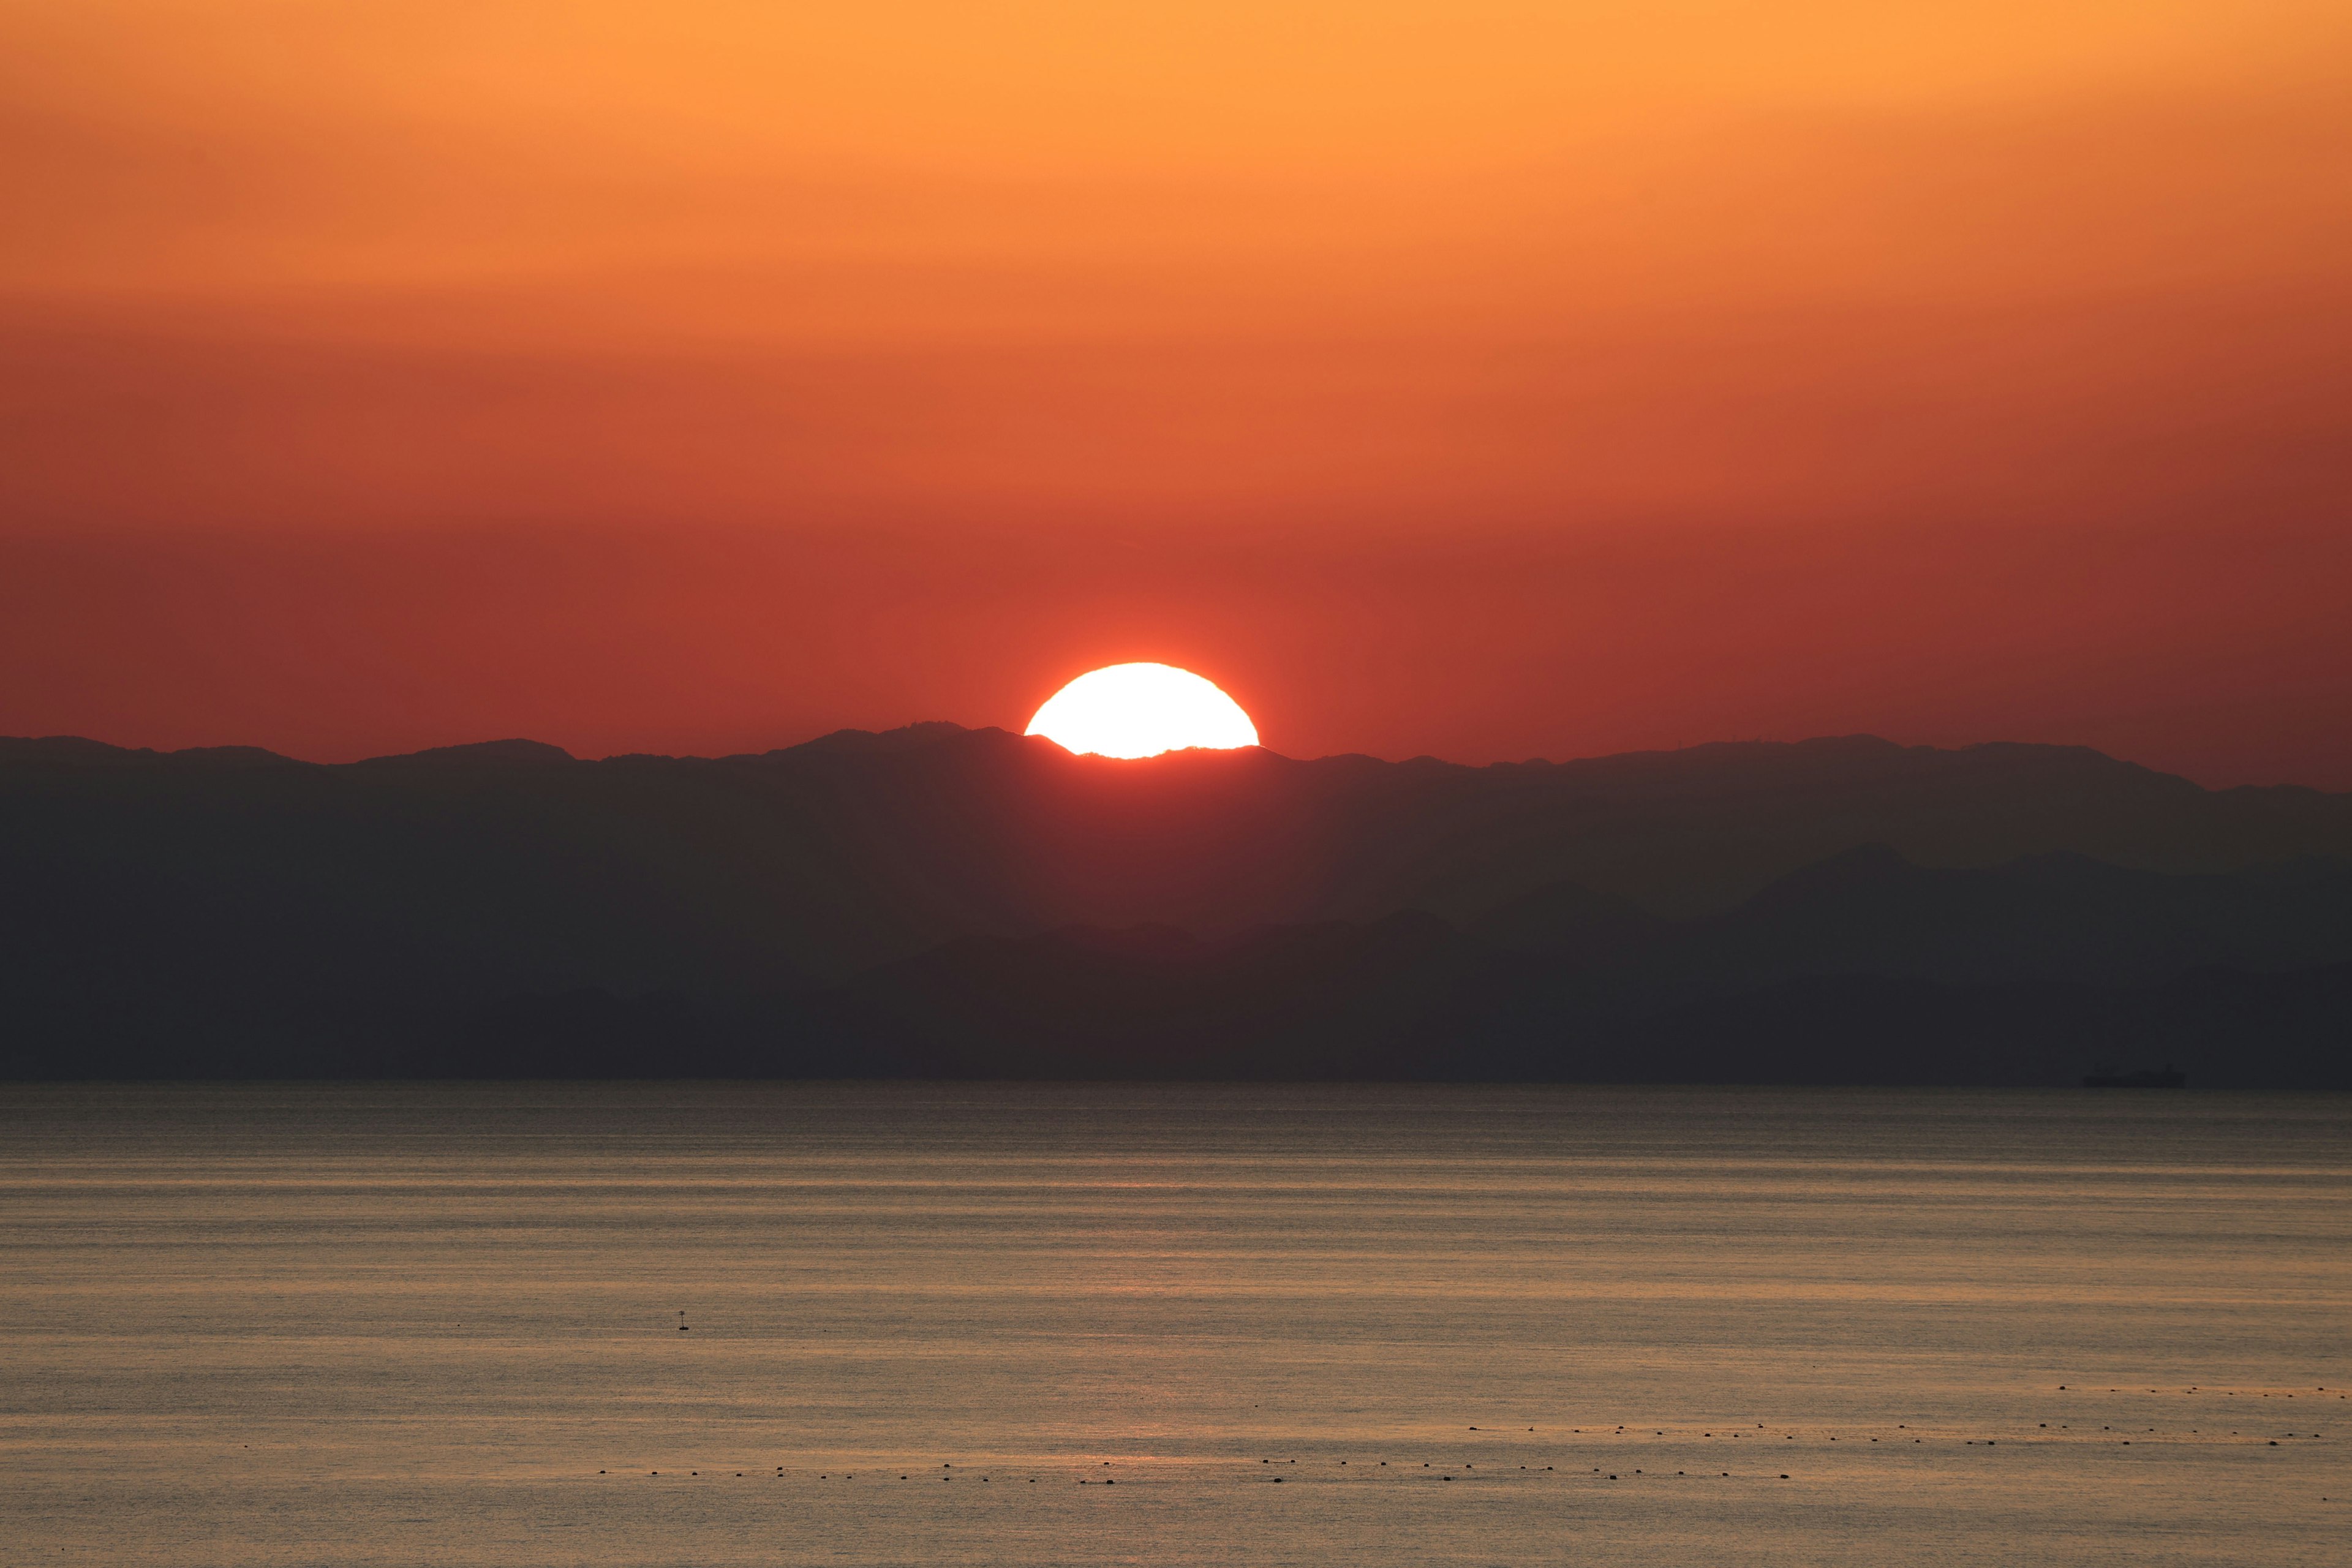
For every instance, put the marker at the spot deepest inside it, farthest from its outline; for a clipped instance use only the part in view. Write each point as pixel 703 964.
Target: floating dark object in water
pixel 681 1322
pixel 2166 1077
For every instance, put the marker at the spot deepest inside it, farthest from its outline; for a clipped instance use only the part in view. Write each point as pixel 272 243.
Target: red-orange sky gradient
pixel 1480 379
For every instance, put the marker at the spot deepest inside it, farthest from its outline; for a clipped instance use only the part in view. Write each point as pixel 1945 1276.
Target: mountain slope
pixel 238 902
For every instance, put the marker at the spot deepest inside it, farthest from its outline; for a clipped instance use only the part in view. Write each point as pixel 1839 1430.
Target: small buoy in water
pixel 681 1322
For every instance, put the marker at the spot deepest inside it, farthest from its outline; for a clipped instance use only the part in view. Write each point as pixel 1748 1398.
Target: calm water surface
pixel 950 1324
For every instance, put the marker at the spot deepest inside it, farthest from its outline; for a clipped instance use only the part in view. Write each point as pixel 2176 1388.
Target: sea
pixel 708 1323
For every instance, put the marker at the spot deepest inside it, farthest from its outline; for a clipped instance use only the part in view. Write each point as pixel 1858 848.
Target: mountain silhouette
pixel 971 902
pixel 1865 969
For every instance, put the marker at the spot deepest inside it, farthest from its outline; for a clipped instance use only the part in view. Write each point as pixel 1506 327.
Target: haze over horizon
pixel 1494 382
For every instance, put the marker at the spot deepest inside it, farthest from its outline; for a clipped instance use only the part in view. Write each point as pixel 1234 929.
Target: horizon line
pixel 551 753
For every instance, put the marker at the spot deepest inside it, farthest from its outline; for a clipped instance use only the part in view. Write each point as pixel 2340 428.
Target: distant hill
pixel 1863 970
pixel 937 898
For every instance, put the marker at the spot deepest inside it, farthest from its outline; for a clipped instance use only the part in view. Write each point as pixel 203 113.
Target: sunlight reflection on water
pixel 438 1324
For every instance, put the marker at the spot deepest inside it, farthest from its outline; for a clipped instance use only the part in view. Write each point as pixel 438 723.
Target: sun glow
pixel 1141 711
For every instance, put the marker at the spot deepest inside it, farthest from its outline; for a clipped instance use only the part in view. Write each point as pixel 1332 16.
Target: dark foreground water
pixel 949 1325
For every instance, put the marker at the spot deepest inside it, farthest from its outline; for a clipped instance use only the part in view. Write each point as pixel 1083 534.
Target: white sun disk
pixel 1141 711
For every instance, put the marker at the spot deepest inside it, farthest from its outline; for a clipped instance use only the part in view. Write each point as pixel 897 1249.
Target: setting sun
pixel 1141 711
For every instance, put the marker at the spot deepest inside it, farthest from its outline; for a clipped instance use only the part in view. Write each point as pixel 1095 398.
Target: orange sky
pixel 1483 379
